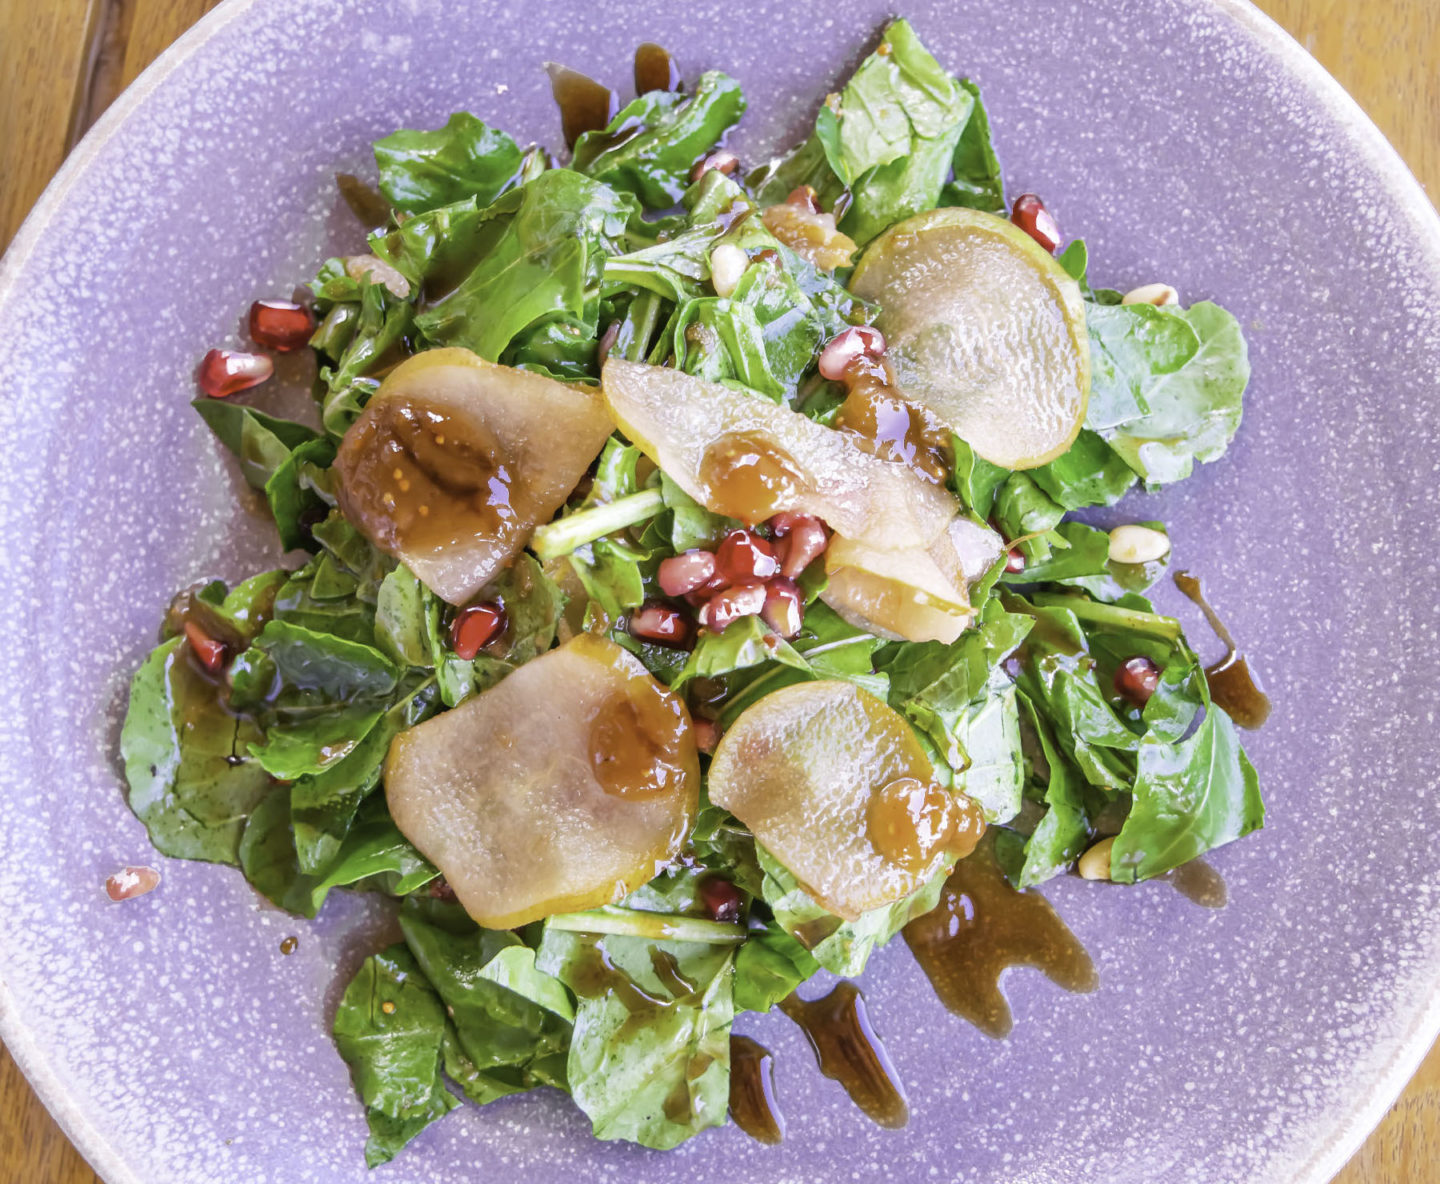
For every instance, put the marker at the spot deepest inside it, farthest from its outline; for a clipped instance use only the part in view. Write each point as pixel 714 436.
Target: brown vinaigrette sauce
pixel 655 69
pixel 585 105
pixel 1232 685
pixel 981 927
pixel 887 425
pixel 631 739
pixel 1199 883
pixel 848 1051
pixel 752 1091
pixel 748 477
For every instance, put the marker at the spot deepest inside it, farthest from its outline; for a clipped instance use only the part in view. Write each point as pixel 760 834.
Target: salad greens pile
pixel 274 765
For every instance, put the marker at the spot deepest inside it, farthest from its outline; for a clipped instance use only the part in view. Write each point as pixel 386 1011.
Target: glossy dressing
pixel 752 1091
pixel 1232 685
pixel 746 475
pixel 848 1051
pixel 876 413
pixel 981 927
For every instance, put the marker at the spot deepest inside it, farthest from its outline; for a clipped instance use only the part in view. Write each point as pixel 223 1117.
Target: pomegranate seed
pixel 805 198
pixel 744 555
pixel 804 539
pixel 720 161
pixel 130 882
pixel 475 627
pixel 225 372
pixel 1136 680
pixel 784 608
pixel 210 652
pixel 1029 213
pixel 743 600
pixel 842 349
pixel 281 325
pixel 1014 561
pixel 685 573
pixel 707 734
pixel 440 890
pixel 659 622
pixel 717 583
pixel 722 900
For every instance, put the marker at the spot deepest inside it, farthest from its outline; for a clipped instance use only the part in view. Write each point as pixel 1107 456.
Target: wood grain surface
pixel 63 61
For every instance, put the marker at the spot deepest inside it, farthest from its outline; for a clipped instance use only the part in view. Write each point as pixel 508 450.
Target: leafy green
pixel 768 967
pixel 977 181
pixel 1064 830
pixel 376 335
pixel 651 144
pixel 464 159
pixel 1089 473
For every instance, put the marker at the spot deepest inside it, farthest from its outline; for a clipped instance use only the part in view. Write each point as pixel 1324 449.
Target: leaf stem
pixel 656 926
pixel 1114 615
pixel 565 534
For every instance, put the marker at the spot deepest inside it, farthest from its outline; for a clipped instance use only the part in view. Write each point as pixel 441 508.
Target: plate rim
pixel 1362 136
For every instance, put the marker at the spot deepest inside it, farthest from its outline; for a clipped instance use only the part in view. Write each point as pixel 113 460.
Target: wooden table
pixel 63 61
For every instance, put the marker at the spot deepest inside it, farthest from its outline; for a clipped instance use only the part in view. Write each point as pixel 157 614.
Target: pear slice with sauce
pixel 984 329
pixel 833 783
pixel 917 594
pixel 456 460
pixel 566 786
pixel 745 457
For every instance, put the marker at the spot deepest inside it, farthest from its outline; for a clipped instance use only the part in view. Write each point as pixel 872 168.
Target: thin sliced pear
pixel 566 786
pixel 745 457
pixel 984 329
pixel 917 594
pixel 456 460
pixel 812 770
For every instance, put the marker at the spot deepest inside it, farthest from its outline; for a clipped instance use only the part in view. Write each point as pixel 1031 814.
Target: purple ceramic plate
pixel 1187 140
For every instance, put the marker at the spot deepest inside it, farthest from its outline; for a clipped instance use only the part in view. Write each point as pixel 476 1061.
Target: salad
pixel 688 578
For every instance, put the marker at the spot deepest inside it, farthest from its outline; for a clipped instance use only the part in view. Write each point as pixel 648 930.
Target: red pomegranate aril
pixel 744 555
pixel 659 623
pixel 719 161
pixel 1136 679
pixel 743 600
pixel 722 900
pixel 706 733
pixel 1014 561
pixel 685 573
pixel 130 882
pixel 804 197
pixel 803 539
pixel 784 609
pixel 841 350
pixel 281 325
pixel 210 651
pixel 1029 213
pixel 475 627
pixel 225 372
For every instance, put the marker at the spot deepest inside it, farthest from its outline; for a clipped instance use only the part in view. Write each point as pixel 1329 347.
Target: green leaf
pixel 381 325
pixel 400 619
pixel 768 967
pixel 1023 508
pixel 651 144
pixel 1089 473
pixel 745 642
pixel 466 158
pixel 1064 830
pixel 291 670
pixel 291 500
pixel 191 781
pixel 1189 797
pixel 977 180
pixel 976 479
pixel 389 1029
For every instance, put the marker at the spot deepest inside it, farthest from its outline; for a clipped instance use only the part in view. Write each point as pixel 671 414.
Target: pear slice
pixel 456 460
pixel 566 786
pixel 833 783
pixel 745 457
pixel 984 329
pixel 916 594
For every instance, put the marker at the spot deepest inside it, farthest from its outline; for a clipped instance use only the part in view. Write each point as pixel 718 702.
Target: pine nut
pixel 1157 294
pixel 727 265
pixel 1095 863
pixel 1138 544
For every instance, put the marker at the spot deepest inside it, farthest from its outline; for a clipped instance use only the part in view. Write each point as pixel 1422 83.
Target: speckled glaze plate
pixel 1187 140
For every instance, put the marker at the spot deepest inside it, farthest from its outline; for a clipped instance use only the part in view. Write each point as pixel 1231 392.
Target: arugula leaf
pixel 375 339
pixel 1189 797
pixel 975 480
pixel 466 158
pixel 400 628
pixel 389 1029
pixel 745 642
pixel 841 947
pixel 1167 385
pixel 651 144
pixel 977 181
pixel 1089 473
pixel 1023 508
pixel 1064 830
pixel 768 967
pixel 192 782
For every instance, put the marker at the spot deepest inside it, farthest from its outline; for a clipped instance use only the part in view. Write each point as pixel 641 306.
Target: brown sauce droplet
pixel 748 477
pixel 667 970
pixel 982 926
pixel 416 477
pixel 631 737
pixel 372 210
pixel 594 976
pixel 1233 686
pixel 752 1091
pixel 909 821
pixel 655 69
pixel 289 945
pixel 585 105
pixel 848 1051
pixel 1200 884
pixel 811 933
pixel 877 415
